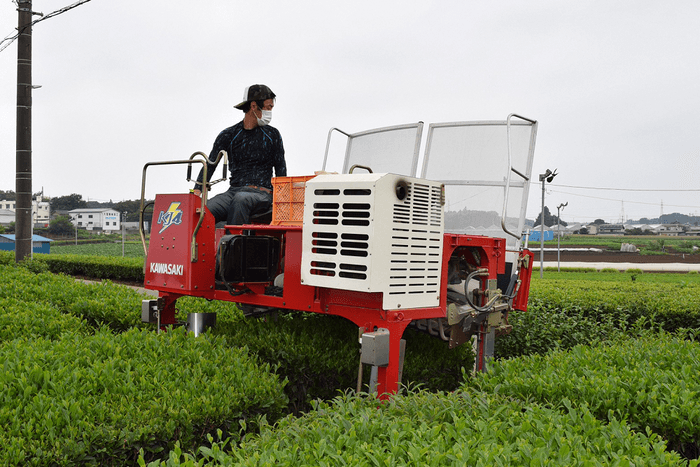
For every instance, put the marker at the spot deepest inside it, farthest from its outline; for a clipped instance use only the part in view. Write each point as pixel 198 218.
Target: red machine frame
pixel 182 255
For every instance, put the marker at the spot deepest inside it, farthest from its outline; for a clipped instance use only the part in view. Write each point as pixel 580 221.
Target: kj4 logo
pixel 173 216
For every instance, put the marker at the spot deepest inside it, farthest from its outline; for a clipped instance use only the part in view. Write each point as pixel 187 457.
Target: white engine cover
pixel 375 233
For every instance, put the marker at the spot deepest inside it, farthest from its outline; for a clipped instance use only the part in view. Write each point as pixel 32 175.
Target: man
pixel 254 148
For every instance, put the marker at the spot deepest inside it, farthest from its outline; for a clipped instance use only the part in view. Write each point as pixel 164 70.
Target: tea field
pixel 131 249
pixel 602 370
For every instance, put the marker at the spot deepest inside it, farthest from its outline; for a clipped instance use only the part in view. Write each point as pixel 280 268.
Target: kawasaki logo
pixel 173 216
pixel 165 268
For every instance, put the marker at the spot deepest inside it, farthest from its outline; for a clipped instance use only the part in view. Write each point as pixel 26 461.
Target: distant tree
pixel 2 229
pixel 10 228
pixel 8 195
pixel 583 231
pixel 132 207
pixel 98 204
pixel 61 226
pixel 599 222
pixel 67 203
pixel 549 219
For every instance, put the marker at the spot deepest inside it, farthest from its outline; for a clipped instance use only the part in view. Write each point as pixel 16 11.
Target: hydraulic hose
pixel 489 305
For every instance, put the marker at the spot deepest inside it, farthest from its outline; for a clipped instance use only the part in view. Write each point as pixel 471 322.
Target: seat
pixel 262 217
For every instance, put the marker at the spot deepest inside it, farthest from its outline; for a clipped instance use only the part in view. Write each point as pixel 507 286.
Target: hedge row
pixel 103 303
pixel 649 382
pixel 19 318
pixel 565 313
pixel 422 428
pixel 100 399
pixel 671 306
pixel 94 267
pixel 319 355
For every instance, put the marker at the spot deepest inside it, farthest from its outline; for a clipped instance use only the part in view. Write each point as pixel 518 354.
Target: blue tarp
pixel 535 235
pixel 39 244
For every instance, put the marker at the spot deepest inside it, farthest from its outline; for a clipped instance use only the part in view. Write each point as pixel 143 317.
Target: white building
pixel 41 210
pixel 96 219
pixel 671 230
pixel 6 216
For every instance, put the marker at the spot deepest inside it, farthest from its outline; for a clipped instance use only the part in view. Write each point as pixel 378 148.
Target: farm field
pixel 614 242
pixel 85 383
pixel 132 249
pixel 653 249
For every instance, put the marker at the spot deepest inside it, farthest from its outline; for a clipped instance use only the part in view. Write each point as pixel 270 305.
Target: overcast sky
pixel 614 85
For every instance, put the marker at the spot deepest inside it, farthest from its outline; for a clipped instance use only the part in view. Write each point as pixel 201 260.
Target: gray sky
pixel 613 85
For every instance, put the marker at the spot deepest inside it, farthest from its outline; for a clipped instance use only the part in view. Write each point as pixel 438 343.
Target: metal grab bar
pixel 205 190
pixel 510 170
pixel 358 166
pixel 218 158
pixel 328 144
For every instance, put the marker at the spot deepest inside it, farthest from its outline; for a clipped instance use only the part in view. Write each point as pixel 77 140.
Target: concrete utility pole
pixel 23 181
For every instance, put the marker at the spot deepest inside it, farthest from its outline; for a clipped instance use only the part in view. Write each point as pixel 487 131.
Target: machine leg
pixel 388 377
pixel 485 340
pixel 375 369
pixel 167 313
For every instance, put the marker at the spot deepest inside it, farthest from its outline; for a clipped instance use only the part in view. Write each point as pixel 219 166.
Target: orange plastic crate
pixel 288 200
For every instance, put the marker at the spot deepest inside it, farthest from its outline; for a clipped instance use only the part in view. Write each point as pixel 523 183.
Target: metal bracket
pixel 149 311
pixel 375 347
pixel 455 313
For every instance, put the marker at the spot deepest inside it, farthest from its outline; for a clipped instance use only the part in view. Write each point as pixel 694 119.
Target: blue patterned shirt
pixel 252 154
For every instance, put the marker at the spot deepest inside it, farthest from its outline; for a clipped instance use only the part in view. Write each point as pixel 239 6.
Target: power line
pixel 627 189
pixel 11 38
pixel 626 201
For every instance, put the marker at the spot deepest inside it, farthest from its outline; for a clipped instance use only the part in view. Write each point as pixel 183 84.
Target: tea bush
pixel 649 382
pixel 95 267
pixel 564 313
pixel 436 429
pixel 48 321
pixel 668 305
pixel 103 303
pixel 319 355
pixel 19 318
pixel 100 399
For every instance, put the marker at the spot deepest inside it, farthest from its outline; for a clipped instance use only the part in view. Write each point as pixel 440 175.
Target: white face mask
pixel 265 119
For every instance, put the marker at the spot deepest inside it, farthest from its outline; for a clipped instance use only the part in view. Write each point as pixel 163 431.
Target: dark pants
pixel 238 204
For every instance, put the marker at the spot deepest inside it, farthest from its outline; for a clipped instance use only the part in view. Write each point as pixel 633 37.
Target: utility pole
pixel 559 209
pixel 23 181
pixel 123 228
pixel 548 176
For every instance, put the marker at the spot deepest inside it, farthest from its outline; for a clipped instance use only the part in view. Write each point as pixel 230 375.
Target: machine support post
pixel 167 314
pixel 485 340
pixel 375 369
pixel 388 377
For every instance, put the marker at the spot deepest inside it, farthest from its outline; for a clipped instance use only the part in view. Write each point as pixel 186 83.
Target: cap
pixel 256 92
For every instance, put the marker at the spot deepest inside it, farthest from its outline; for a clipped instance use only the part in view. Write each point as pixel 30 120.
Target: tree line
pixel 75 201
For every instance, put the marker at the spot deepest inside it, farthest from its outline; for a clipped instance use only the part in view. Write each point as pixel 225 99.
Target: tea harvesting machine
pixel 371 247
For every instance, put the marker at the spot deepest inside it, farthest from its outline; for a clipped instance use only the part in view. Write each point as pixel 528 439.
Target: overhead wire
pixel 11 38
pixel 624 200
pixel 627 189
